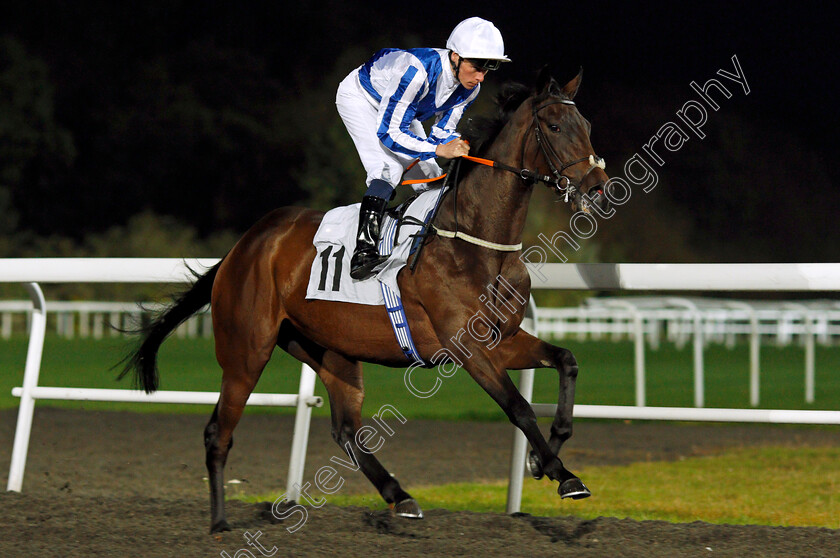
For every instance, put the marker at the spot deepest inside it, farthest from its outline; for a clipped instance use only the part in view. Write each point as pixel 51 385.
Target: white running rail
pixel 33 271
pixel 633 277
pixel 671 277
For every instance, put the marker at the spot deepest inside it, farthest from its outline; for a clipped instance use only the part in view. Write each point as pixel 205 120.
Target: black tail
pixel 143 361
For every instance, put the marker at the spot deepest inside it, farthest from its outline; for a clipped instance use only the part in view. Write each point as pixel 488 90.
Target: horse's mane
pixel 480 131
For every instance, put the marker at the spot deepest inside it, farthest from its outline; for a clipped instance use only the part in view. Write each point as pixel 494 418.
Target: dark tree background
pixel 168 127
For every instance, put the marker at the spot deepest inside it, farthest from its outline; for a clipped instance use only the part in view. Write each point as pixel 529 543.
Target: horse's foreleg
pixel 497 383
pixel 346 396
pixel 523 350
pixel 343 380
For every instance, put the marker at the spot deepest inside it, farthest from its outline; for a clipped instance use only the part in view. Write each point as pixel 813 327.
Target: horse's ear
pixel 544 80
pixel 571 88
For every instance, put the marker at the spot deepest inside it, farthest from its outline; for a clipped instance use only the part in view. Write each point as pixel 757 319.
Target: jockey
pixel 383 103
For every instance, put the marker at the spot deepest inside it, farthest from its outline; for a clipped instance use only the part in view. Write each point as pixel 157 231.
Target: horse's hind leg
pixel 343 380
pixel 241 371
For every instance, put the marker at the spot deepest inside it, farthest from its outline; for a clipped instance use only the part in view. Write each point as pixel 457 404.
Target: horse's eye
pixel 554 128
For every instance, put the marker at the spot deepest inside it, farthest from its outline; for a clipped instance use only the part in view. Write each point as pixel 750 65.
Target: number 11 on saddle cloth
pixel 329 278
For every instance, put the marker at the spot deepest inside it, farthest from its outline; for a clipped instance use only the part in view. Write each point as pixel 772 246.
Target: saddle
pixel 334 242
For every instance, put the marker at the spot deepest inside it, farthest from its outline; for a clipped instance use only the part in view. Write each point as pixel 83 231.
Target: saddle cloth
pixel 334 242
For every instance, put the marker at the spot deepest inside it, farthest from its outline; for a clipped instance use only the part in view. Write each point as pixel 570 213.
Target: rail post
pixel 37 331
pixel 520 444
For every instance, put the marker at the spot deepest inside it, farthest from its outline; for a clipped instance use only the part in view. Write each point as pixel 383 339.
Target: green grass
pixel 763 486
pixel 606 377
pixel 767 486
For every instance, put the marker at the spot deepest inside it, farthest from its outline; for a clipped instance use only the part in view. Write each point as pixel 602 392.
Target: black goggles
pixel 485 64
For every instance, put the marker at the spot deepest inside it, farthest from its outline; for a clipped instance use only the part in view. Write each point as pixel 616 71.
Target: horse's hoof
pixel 535 466
pixel 408 508
pixel 220 526
pixel 573 488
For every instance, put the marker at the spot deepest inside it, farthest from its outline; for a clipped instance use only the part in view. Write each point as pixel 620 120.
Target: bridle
pixel 572 188
pixel 565 186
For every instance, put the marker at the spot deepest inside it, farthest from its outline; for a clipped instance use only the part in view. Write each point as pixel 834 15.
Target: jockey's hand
pixel 455 148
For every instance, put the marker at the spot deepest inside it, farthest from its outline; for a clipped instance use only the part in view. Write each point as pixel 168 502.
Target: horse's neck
pixel 491 204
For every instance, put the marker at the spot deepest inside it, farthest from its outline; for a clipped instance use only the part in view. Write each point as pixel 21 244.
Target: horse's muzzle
pixel 594 200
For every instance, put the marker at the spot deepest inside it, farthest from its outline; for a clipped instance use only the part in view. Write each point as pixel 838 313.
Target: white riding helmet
pixel 478 39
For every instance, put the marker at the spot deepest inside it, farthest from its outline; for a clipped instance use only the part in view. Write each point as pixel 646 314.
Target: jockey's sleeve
pixel 396 112
pixel 443 129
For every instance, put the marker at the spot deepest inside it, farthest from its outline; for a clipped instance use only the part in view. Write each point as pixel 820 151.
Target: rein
pixel 432 230
pixel 570 189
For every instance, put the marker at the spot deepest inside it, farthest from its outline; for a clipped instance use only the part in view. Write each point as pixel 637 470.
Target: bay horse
pixel 257 294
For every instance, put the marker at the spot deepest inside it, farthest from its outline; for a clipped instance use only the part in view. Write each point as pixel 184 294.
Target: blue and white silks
pixel 415 84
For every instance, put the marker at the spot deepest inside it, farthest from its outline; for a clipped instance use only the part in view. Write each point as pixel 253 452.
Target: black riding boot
pixel 366 255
